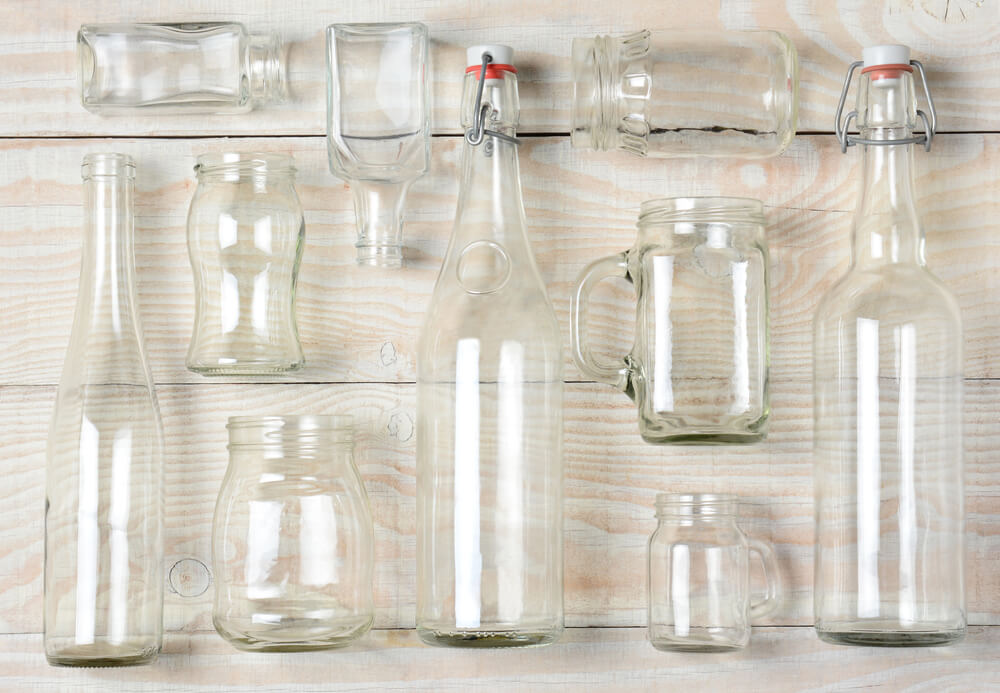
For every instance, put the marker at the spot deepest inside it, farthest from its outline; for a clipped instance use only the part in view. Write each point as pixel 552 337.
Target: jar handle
pixel 769 559
pixel 613 373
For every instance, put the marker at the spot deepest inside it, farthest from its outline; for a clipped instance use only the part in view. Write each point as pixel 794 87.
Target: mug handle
pixel 613 373
pixel 769 602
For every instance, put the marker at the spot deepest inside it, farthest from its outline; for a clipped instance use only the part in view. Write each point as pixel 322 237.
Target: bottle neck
pixel 886 225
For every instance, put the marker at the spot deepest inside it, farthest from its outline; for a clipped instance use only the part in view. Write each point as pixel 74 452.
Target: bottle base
pixel 390 256
pixel 704 438
pixel 488 639
pixel 891 638
pixel 295 635
pixel 245 368
pixel 102 655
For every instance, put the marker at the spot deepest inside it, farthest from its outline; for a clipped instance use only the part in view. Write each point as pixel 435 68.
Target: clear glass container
pixel 210 67
pixel 489 410
pixel 682 93
pixel 888 382
pixel 699 575
pixel 292 539
pixel 104 482
pixel 245 235
pixel 378 126
pixel 698 370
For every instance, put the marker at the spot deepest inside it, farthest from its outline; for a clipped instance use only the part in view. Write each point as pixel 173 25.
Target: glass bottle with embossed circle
pixel 682 94
pixel 489 402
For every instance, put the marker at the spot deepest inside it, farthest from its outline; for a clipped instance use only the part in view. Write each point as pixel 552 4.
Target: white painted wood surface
pixel 359 329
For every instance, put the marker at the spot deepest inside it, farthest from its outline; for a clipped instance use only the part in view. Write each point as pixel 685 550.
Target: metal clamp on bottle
pixel 482 111
pixel 841 126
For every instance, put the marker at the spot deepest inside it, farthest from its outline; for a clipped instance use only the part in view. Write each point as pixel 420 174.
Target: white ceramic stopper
pixel 502 55
pixel 886 55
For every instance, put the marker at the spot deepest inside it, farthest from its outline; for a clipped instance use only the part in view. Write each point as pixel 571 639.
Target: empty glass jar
pixel 207 67
pixel 292 543
pixel 681 93
pixel 699 575
pixel 245 240
pixel 698 370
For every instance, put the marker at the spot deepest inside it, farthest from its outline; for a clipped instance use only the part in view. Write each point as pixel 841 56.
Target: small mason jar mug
pixel 698 370
pixel 245 234
pixel 699 575
pixel 292 539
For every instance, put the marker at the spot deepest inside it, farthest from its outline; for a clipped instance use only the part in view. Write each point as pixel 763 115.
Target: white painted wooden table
pixel 359 330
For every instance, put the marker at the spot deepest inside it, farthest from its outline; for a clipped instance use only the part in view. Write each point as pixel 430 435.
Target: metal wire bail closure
pixel 481 113
pixel 841 128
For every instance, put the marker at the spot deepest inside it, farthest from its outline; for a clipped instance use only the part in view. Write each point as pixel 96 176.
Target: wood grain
pixel 361 324
pixel 611 480
pixel 778 660
pixel 956 39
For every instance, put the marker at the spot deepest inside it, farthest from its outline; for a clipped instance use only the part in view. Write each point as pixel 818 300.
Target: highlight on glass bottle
pixel 489 402
pixel 682 94
pixel 104 479
pixel 292 539
pixel 698 370
pixel 206 67
pixel 888 384
pixel 245 235
pixel 699 575
pixel 378 126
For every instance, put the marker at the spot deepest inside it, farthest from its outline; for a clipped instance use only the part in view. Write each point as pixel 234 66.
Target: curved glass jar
pixel 292 539
pixel 104 481
pixel 698 370
pixel 699 575
pixel 245 235
pixel 681 94
pixel 887 370
pixel 209 67
pixel 489 411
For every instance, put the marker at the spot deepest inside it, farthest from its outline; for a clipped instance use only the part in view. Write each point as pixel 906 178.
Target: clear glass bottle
pixel 698 370
pixel 104 482
pixel 211 67
pixel 681 93
pixel 489 405
pixel 245 233
pixel 888 403
pixel 292 538
pixel 699 575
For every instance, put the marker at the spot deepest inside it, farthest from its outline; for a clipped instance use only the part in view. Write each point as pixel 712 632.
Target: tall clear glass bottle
pixel 104 482
pixel 888 402
pixel 489 404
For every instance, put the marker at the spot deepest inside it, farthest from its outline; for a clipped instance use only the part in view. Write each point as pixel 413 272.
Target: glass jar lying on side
pixel 245 238
pixel 683 94
pixel 210 67
pixel 292 540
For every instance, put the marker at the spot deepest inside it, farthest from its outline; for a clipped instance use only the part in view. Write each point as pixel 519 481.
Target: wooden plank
pixel 362 324
pixel 606 659
pixel 611 480
pixel 39 93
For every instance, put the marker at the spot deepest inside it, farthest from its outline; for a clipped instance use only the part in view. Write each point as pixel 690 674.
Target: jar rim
pixel 714 209
pixel 298 422
pixel 266 163
pixel 715 504
pixel 107 164
pixel 302 432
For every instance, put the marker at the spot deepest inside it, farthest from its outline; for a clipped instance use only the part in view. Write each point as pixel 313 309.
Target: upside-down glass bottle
pixel 888 400
pixel 489 403
pixel 104 482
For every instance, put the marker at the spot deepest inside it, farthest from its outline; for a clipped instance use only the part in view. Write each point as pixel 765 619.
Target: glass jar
pixel 208 67
pixel 680 94
pixel 245 239
pixel 698 370
pixel 292 539
pixel 699 575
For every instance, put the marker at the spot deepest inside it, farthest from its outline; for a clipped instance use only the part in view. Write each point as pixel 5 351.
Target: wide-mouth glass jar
pixel 245 239
pixel 292 542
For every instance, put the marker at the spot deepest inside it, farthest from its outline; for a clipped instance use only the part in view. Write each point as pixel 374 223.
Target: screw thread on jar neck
pixel 595 101
pixel 696 506
pixel 266 69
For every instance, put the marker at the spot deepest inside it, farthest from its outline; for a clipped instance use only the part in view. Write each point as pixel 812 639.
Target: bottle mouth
pixel 696 504
pixel 245 164
pixel 108 164
pixel 665 210
pixel 303 431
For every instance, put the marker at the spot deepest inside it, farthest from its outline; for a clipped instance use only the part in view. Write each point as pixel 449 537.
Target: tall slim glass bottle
pixel 104 502
pixel 888 403
pixel 489 405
